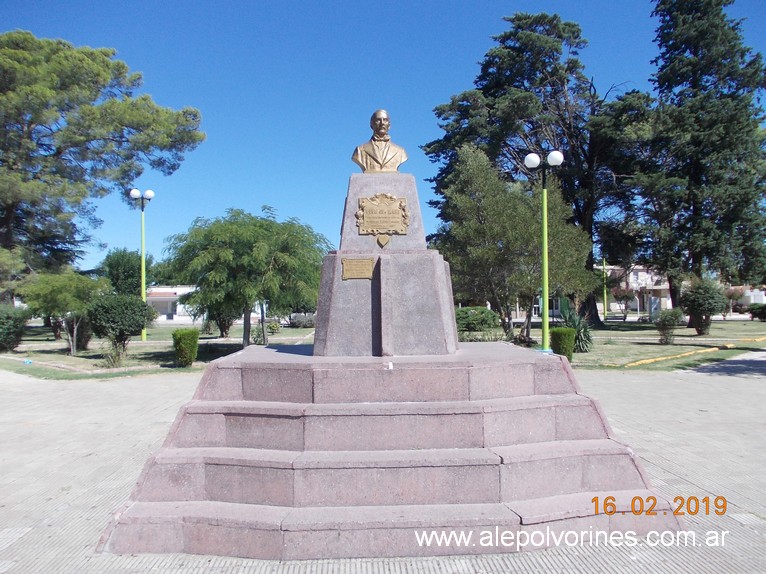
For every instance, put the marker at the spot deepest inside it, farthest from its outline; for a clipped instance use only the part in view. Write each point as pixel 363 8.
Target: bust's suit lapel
pixel 372 150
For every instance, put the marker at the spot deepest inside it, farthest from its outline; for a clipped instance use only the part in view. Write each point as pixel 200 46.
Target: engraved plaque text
pixel 357 268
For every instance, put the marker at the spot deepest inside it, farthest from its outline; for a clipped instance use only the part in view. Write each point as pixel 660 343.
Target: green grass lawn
pixel 621 344
pixel 616 346
pixel 42 356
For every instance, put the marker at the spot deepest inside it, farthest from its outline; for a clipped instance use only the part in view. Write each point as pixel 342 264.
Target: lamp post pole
pixel 532 161
pixel 143 198
pixel 603 269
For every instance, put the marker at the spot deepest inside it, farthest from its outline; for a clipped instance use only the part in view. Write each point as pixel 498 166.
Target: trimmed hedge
pixel 476 319
pixel 12 322
pixel 563 341
pixel 757 311
pixel 701 301
pixel 186 344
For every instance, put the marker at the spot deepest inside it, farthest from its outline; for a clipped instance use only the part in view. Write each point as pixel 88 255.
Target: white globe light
pixel 149 194
pixel 555 158
pixel 532 160
pixel 135 194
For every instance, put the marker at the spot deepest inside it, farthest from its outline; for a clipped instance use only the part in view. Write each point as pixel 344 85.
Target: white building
pixel 164 300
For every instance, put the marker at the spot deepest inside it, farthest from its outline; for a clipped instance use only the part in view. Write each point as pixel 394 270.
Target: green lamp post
pixel 143 198
pixel 533 161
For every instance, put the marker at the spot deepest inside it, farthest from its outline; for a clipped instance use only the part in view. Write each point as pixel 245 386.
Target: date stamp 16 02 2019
pixel 640 505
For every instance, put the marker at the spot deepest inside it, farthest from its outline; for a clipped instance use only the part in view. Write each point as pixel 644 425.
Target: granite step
pixel 367 478
pixel 284 533
pixel 553 468
pixel 477 371
pixel 382 426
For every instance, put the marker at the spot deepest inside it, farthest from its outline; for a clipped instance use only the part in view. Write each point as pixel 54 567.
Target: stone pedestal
pixel 383 431
pixel 406 306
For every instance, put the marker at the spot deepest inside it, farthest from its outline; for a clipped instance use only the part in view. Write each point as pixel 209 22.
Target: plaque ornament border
pixel 383 235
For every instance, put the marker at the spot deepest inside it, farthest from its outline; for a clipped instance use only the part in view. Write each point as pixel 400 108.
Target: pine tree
pixel 708 118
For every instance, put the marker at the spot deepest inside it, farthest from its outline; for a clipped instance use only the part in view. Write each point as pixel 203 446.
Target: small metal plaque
pixel 357 268
pixel 382 214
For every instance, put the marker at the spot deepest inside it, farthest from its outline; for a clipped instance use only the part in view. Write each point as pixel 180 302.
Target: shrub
pixel 757 311
pixel 476 319
pixel 302 321
pixel 12 322
pixel 118 318
pixel 257 336
pixel 583 336
pixel 273 328
pixel 666 323
pixel 563 341
pixel 480 336
pixel 185 343
pixel 84 332
pixel 701 301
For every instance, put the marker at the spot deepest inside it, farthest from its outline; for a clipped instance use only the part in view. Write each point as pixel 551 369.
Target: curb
pixel 679 356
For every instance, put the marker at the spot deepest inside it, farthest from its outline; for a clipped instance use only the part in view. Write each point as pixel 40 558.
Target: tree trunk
pixel 263 325
pixel 589 310
pixel 73 336
pixel 246 330
pixel 675 292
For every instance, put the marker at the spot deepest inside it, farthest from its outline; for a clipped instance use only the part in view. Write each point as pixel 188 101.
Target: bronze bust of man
pixel 379 154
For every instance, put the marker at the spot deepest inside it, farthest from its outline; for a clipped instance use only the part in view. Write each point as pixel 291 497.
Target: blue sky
pixel 286 89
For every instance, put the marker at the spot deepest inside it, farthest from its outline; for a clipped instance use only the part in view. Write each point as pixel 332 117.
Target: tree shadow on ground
pixel 737 366
pixel 627 327
pixel 210 351
pixel 305 350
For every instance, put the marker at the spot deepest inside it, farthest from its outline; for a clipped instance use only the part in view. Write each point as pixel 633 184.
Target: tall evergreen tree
pixel 71 129
pixel 531 95
pixel 711 187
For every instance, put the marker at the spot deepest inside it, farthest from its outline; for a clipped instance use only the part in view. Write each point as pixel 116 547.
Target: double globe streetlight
pixel 533 161
pixel 144 198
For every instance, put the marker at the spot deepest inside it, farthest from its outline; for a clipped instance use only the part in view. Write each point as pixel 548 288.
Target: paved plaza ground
pixel 70 452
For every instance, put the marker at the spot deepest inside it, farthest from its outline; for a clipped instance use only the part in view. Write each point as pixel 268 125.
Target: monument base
pixel 284 455
pixel 382 316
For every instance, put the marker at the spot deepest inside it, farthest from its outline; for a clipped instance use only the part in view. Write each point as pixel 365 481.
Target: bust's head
pixel 380 122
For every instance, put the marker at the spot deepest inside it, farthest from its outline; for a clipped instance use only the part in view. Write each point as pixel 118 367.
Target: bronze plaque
pixel 357 268
pixel 382 214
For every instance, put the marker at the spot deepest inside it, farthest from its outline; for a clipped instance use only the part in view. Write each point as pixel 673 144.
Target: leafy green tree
pixel 164 273
pixel 623 297
pixel 62 296
pixel 118 318
pixel 701 301
pixel 123 269
pixel 532 94
pixel 71 129
pixel 732 294
pixel 11 268
pixel 240 259
pixel 490 238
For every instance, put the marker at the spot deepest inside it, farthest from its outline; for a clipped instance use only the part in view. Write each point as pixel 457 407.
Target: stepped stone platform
pixel 285 455
pixel 383 429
